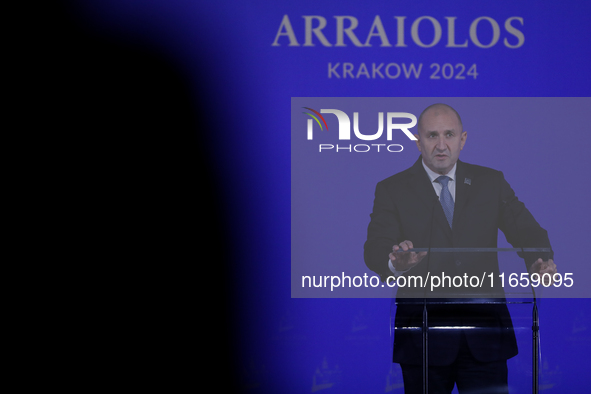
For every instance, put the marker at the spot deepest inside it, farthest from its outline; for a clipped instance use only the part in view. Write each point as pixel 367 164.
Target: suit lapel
pixel 423 189
pixel 464 179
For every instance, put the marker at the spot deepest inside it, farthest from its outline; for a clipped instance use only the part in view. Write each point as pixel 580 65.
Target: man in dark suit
pixel 441 202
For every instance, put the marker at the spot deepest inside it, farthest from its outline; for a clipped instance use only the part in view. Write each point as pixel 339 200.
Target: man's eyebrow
pixel 444 132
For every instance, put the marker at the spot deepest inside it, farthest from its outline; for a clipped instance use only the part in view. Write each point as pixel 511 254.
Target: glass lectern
pixel 484 297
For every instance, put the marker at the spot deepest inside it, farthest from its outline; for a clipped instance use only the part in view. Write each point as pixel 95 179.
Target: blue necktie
pixel 445 199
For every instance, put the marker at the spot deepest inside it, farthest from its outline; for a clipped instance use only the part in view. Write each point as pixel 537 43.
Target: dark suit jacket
pixel 406 208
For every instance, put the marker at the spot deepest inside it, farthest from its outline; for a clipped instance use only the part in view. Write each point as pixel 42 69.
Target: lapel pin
pixel 467 181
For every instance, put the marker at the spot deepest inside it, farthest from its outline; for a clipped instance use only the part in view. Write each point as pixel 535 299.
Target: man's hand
pixel 402 258
pixel 544 267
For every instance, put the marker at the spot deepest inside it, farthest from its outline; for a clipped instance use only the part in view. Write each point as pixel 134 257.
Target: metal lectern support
pixel 425 350
pixel 535 348
pixel 535 317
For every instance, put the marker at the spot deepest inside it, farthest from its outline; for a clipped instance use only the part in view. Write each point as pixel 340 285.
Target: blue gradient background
pixel 240 88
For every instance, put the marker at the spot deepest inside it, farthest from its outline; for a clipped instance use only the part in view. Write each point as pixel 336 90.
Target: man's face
pixel 440 139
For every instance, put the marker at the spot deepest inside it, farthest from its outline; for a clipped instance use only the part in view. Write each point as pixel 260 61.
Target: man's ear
pixel 463 139
pixel 418 141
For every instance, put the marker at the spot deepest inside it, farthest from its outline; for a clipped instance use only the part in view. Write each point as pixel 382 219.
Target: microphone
pixel 535 316
pixel 425 314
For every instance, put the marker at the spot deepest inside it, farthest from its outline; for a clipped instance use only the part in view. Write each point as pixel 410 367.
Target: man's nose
pixel 441 144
